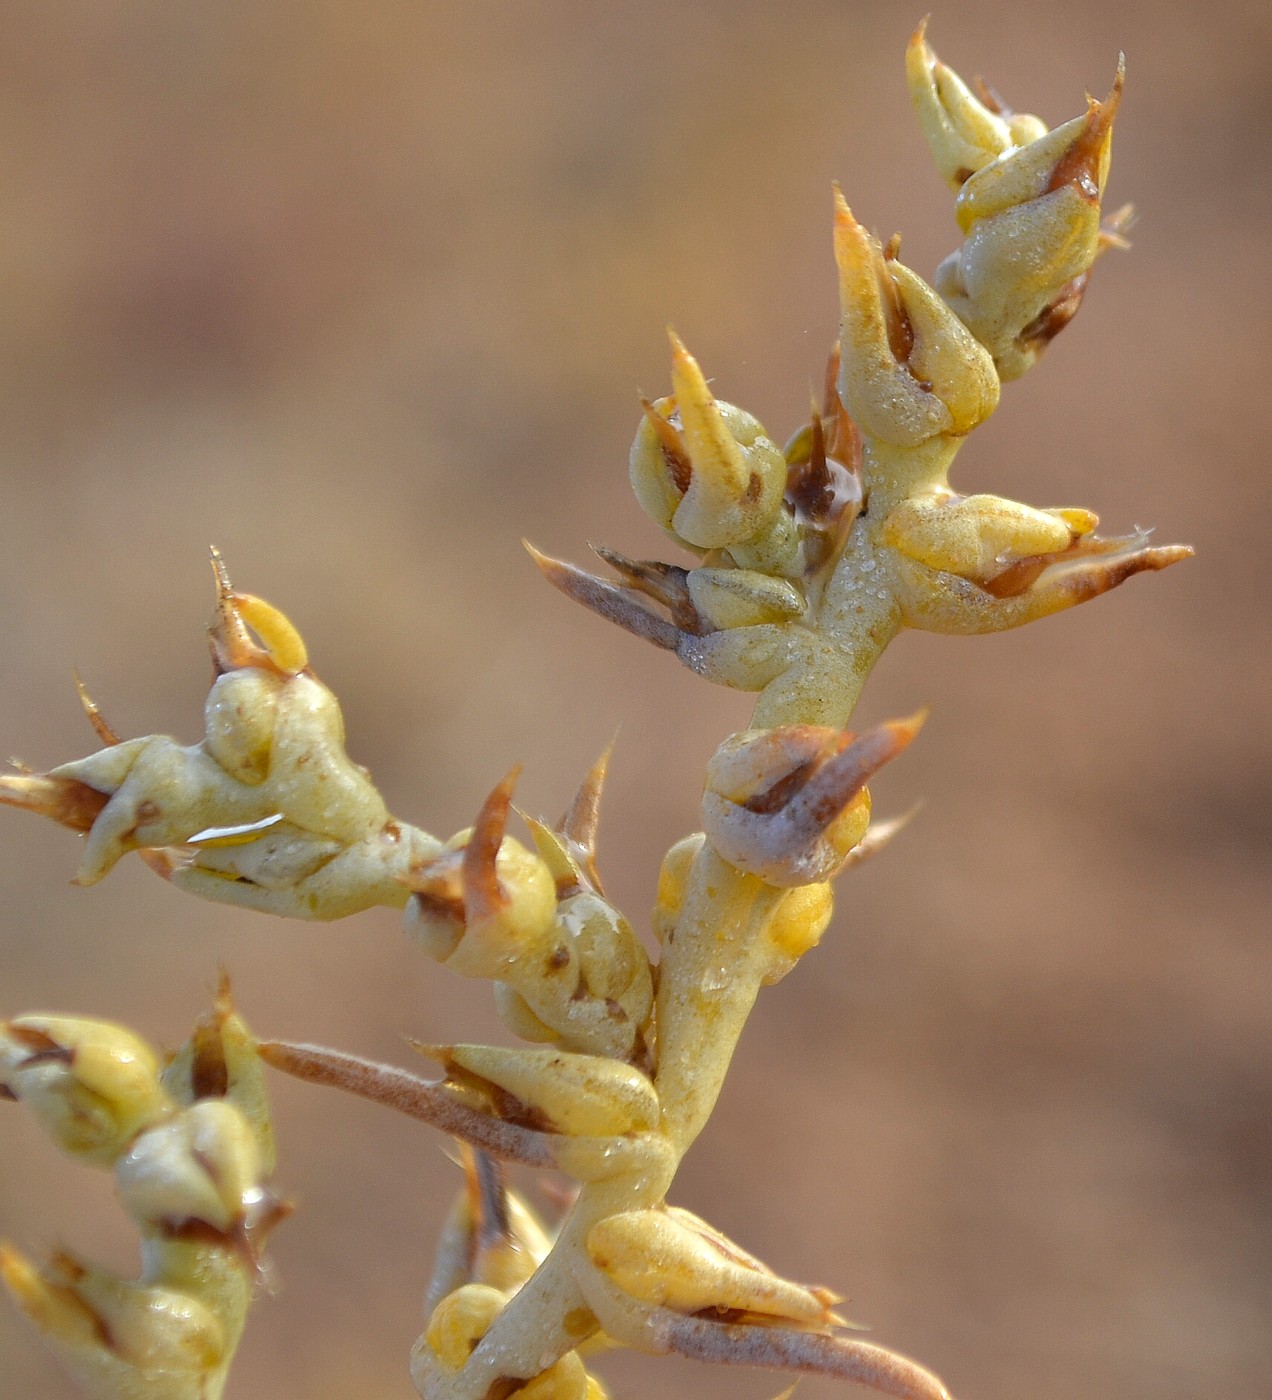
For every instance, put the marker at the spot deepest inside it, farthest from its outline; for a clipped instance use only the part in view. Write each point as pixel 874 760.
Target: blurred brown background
pixel 362 293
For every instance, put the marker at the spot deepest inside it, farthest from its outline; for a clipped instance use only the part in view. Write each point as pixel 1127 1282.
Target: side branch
pixel 807 1353
pixel 425 1099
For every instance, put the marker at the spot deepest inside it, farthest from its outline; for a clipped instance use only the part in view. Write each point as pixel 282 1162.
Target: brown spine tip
pixel 233 646
pixel 896 318
pixel 1083 576
pixel 844 441
pixel 822 483
pixel 582 819
pixel 209 1072
pixel 831 402
pixel 818 471
pixel 483 895
pixel 837 781
pixel 1093 579
pixel 1080 164
pixel 104 731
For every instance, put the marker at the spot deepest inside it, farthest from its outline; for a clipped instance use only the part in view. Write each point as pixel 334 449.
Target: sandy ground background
pixel 362 293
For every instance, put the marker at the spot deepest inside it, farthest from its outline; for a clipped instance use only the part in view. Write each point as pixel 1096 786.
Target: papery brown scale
pixel 1049 322
pixel 664 583
pixel 210 1075
pixel 773 799
pixel 39 1042
pixel 673 447
pixel 991 98
pixel 896 318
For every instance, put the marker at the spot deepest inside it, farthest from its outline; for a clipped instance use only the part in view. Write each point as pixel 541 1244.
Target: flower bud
pixel 703 469
pixel 963 133
pixel 613 964
pixel 673 880
pixel 239 715
pixel 589 986
pixel 909 369
pixel 92 1085
pixel 554 1091
pixel 1033 233
pixel 672 1259
pixel 978 537
pixel 461 1320
pixel 798 924
pixel 563 1380
pixel 267 811
pixel 220 1061
pixel 789 804
pixel 120 1340
pixel 490 1235
pixel 514 1011
pixel 743 597
pixel 486 901
pixel 201 1166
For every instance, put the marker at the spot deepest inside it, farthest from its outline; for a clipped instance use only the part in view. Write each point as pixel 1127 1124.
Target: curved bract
pixel 804 563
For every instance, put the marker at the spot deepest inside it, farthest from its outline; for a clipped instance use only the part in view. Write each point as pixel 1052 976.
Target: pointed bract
pixel 909 370
pixel 789 804
pixel 963 133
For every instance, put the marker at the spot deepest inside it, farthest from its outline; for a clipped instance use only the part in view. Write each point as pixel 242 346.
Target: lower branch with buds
pixel 807 561
pixel 192 1152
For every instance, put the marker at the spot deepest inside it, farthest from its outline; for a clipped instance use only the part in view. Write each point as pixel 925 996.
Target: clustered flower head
pixel 807 561
pixel 192 1151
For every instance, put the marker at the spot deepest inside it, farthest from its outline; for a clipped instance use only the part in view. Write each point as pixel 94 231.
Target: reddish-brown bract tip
pixel 483 895
pixel 582 819
pixel 1080 164
pixel 104 731
pixel 675 453
pixel 63 800
pixel 835 783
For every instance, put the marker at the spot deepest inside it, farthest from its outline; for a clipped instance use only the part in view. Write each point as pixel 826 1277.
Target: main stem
pixel 718 955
